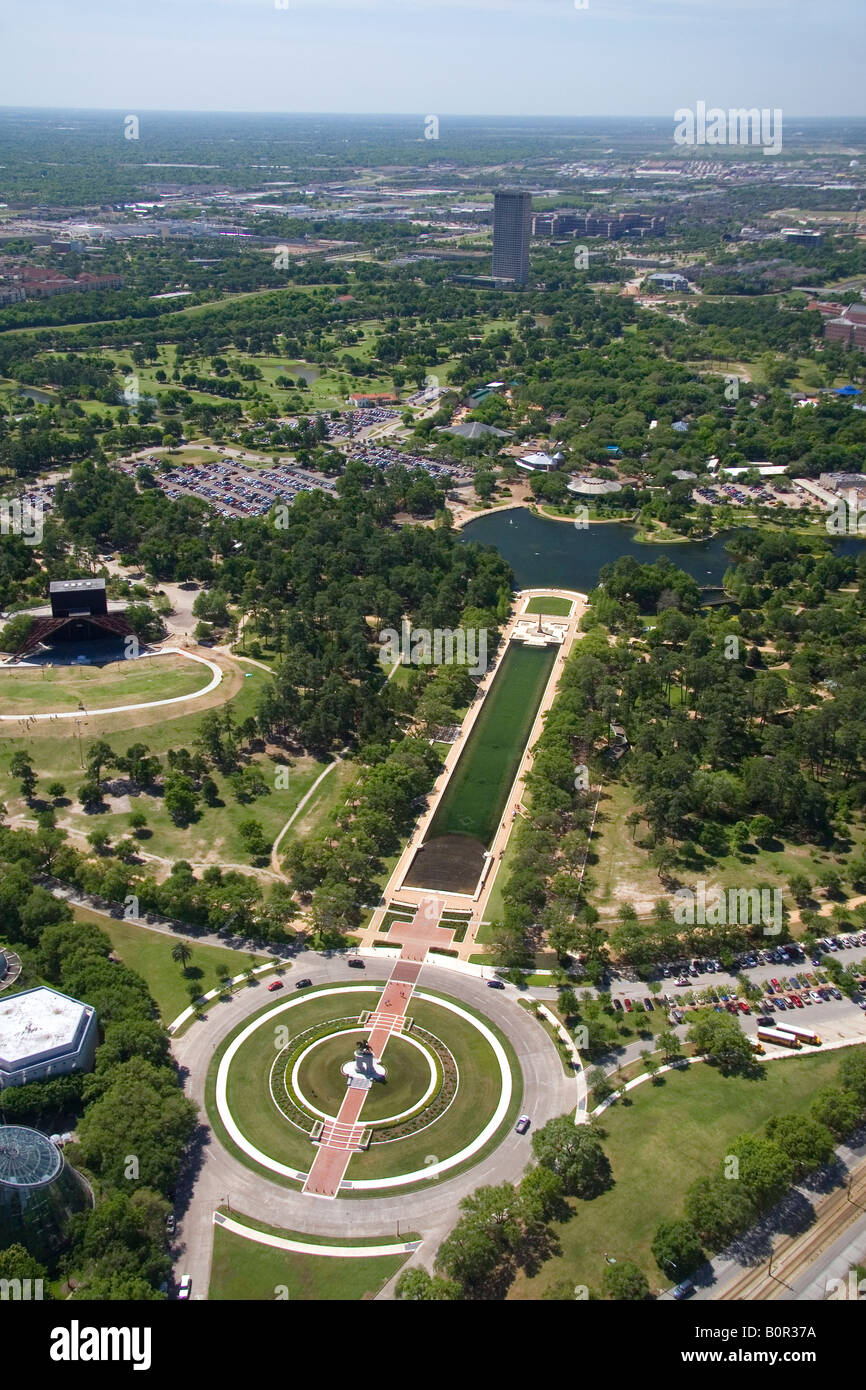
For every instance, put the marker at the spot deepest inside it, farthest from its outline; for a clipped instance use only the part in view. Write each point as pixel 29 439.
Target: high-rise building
pixel 512 228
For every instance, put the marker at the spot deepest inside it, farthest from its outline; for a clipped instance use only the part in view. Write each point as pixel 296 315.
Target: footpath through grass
pixel 475 797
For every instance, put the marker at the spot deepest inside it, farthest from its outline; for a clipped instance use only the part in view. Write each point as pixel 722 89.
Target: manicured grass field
pixel 322 1083
pixel 241 1269
pixel 672 1134
pixel 476 1100
pixel 42 689
pixel 254 1111
pixel 248 1095
pixel 551 607
pixel 148 953
pixel 478 788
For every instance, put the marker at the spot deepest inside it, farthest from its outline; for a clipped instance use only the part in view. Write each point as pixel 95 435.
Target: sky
pixel 470 57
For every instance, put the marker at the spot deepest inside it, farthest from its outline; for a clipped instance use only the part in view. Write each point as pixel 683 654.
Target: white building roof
pixel 38 1021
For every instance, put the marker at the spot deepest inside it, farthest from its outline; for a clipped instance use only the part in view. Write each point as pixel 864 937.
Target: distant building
pixel 671 281
pixel 44 1033
pixel 801 236
pixel 79 613
pixel 593 487
pixel 474 430
pixel 610 226
pixel 540 462
pixel 849 328
pixel 683 475
pixel 839 481
pixel 512 228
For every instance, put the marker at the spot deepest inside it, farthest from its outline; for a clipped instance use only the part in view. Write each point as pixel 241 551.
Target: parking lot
pixel 795 987
pixel 231 487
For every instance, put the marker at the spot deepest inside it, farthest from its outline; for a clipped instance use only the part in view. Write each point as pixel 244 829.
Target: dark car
pixel 355 963
pixel 617 1004
pixel 684 1290
pixel 648 1004
pixel 495 984
pixel 302 984
pixel 764 1021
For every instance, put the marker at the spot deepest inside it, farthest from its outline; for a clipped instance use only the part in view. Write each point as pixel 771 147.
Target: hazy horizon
pixel 614 58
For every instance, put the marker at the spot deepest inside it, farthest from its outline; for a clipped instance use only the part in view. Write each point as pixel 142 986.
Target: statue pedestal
pixel 363 1070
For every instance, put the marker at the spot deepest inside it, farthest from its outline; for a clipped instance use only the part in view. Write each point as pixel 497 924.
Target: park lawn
pixel 44 689
pixel 330 794
pixel 258 1117
pixel 495 908
pixel 247 1091
pixel 148 953
pixel 475 1102
pixel 552 607
pixel 214 837
pixel 242 1269
pixel 322 1083
pixel 475 796
pixel 671 1134
pixel 624 872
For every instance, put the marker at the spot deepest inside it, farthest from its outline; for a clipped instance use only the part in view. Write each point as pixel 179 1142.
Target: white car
pixel 185 1286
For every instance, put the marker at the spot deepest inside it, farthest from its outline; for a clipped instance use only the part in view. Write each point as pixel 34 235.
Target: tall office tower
pixel 512 227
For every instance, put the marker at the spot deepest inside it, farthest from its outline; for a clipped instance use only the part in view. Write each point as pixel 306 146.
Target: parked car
pixel 275 984
pixel 648 1004
pixel 796 1000
pixel 617 1005
pixel 684 1290
pixel 303 984
pixel 837 994
pixel 185 1286
pixel 743 1007
pixel 627 1003
pixel 522 1124
pixel 814 995
pixel 764 1021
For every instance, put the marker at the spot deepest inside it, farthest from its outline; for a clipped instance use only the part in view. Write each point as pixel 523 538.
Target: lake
pixel 545 553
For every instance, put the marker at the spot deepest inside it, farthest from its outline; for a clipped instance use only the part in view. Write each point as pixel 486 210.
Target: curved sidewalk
pixel 216 678
pixel 301 1247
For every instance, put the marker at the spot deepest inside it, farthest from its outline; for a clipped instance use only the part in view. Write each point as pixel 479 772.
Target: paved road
pixel 430 1211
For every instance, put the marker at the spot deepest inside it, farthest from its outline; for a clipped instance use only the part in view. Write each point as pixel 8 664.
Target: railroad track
pixel 793 1256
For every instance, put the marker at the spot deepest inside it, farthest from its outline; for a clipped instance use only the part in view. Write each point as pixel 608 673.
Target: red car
pixel 743 1007
pixel 277 984
pixel 797 1000
pixel 627 1003
pixel 776 986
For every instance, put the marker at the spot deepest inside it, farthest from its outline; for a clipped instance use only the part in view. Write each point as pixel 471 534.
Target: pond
pixel 544 553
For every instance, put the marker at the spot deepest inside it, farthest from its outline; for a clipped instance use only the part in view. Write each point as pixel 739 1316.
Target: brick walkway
pixel 342 1136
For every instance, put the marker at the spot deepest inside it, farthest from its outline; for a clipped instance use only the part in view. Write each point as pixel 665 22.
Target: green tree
pixel 417 1286
pixel 181 954
pixel 677 1249
pixel 625 1282
pixel 575 1154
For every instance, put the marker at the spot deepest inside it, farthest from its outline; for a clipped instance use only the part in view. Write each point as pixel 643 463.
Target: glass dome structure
pixel 39 1192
